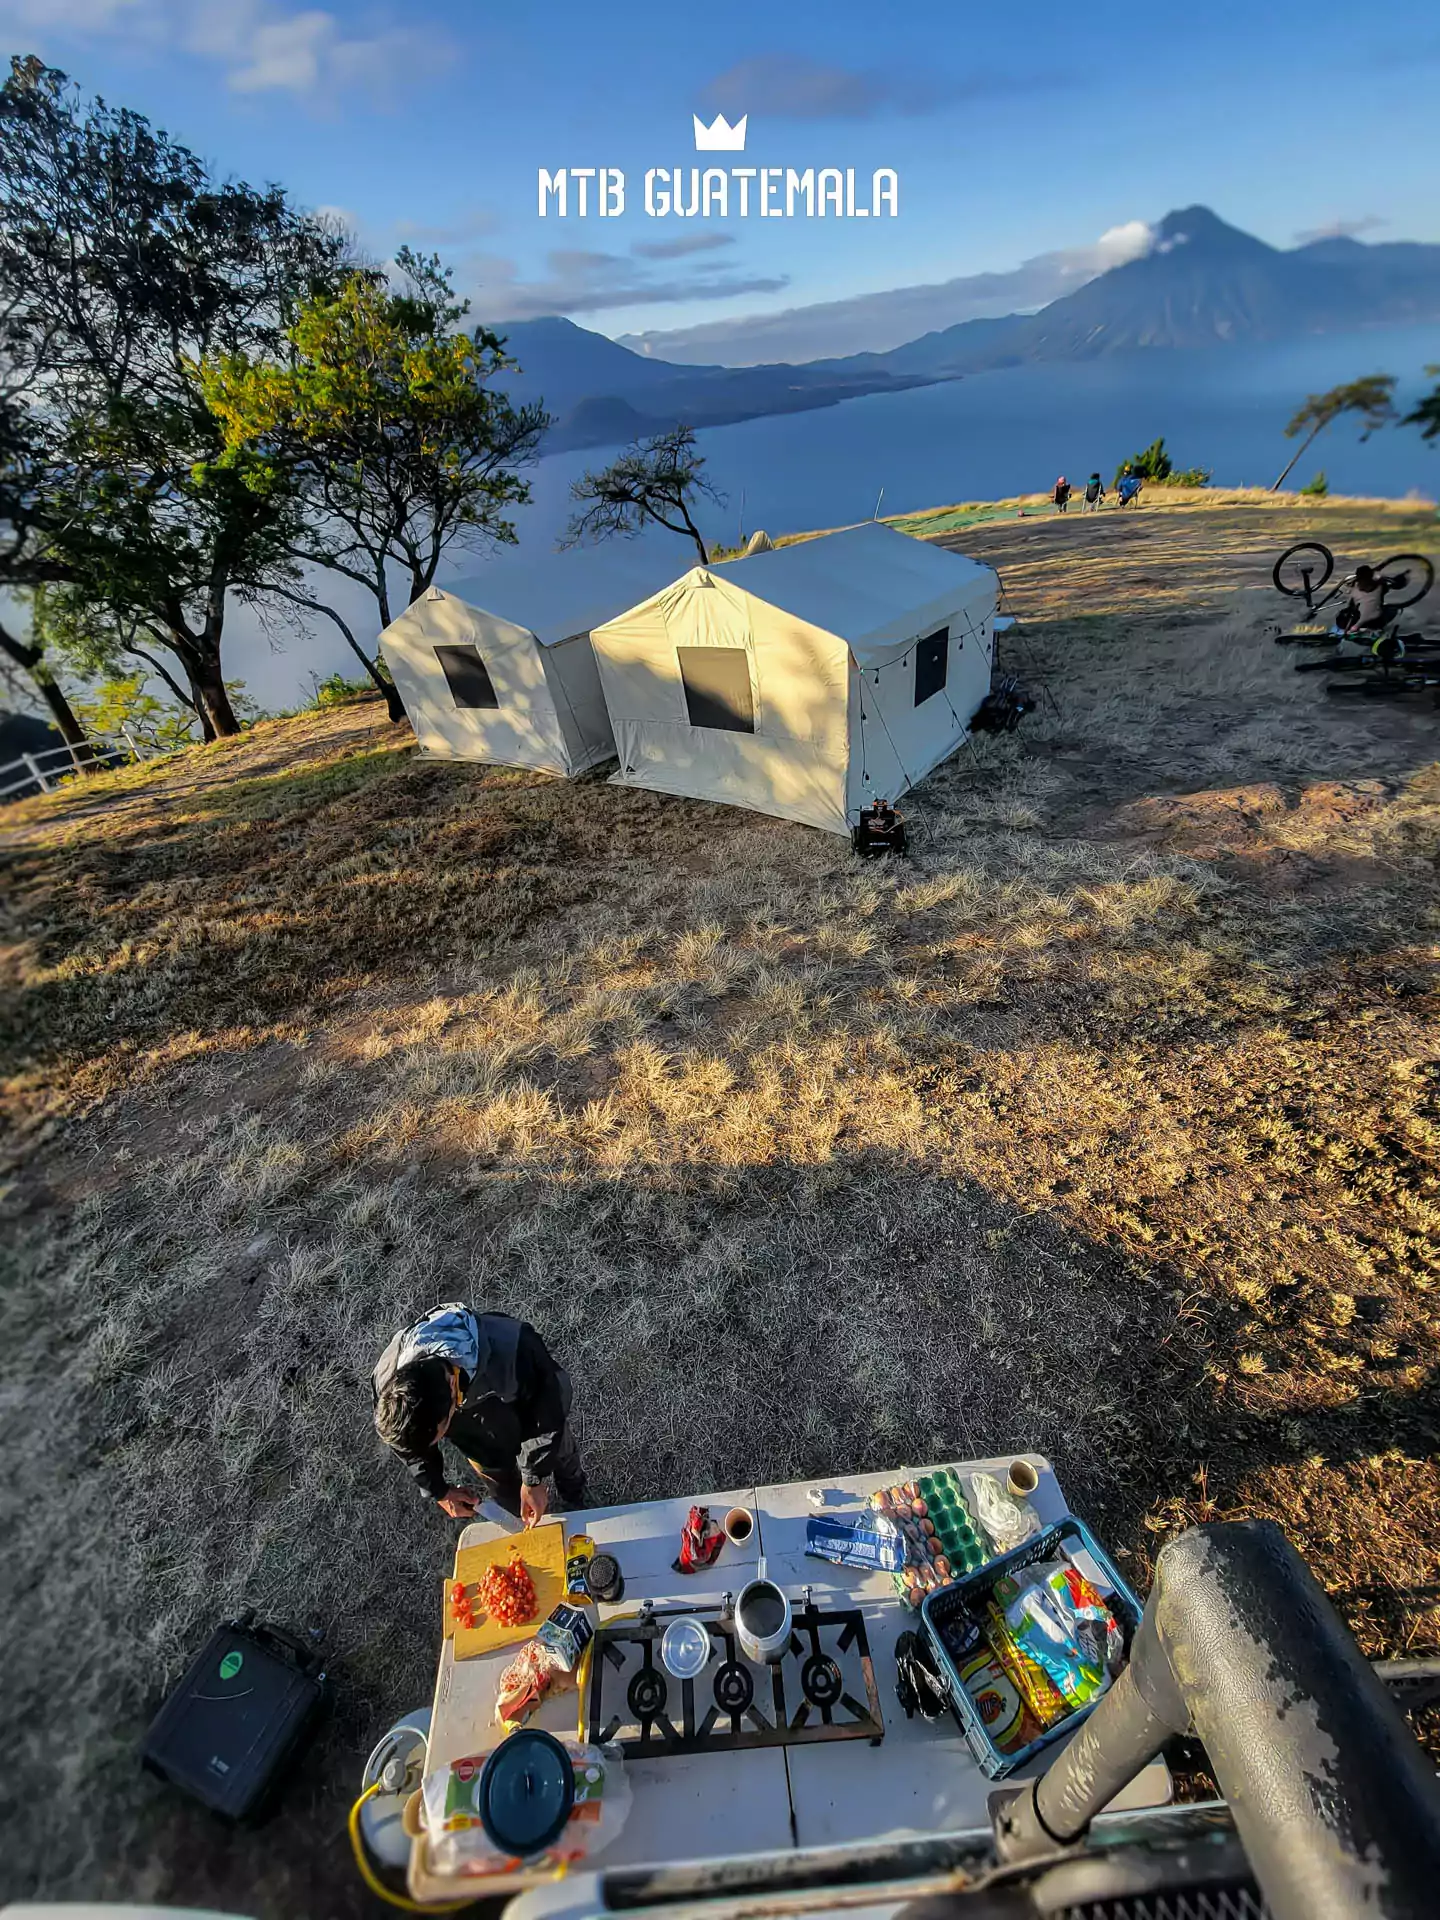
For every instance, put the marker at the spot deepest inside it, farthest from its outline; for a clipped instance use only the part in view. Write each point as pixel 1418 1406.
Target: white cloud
pixel 874 322
pixel 793 86
pixel 261 45
pixel 582 281
pixel 1341 229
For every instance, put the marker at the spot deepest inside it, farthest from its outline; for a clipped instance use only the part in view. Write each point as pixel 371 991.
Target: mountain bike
pixel 1379 653
pixel 1303 571
pixel 1389 686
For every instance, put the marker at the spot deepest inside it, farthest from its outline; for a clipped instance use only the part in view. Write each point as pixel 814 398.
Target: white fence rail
pixel 45 770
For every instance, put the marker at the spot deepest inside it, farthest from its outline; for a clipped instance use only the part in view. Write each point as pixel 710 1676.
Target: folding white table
pixel 922 1779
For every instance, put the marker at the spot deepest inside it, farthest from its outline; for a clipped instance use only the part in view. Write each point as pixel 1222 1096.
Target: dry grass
pixel 1107 1125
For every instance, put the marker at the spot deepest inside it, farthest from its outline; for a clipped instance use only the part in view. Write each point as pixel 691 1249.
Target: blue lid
pixel 527 1790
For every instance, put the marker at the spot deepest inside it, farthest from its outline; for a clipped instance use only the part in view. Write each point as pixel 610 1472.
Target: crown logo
pixel 720 136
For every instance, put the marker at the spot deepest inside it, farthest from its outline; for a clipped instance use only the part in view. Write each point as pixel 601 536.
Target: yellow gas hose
pixel 373 1880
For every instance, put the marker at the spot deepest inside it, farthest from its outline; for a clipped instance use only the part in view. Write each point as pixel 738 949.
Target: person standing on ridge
pixel 1061 495
pixel 1094 494
pixel 487 1383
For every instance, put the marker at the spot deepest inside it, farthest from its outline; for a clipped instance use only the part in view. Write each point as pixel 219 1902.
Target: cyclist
pixel 1366 612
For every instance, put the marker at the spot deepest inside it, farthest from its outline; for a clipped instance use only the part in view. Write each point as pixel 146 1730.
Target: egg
pixel 942 1566
pixel 919 1509
pixel 929 1527
pixel 912 1576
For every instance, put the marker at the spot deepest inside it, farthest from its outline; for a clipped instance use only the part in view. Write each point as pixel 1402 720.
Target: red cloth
pixel 700 1541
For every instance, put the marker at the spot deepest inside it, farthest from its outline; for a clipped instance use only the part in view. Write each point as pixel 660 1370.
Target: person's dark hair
pixel 1364 576
pixel 409 1412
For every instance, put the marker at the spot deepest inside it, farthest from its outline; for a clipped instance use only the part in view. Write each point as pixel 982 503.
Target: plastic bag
pixel 872 1542
pixel 1058 1618
pixel 1008 1521
pixel 458 1844
pixel 534 1673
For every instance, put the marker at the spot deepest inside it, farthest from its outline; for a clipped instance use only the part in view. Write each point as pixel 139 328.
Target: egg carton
pixel 966 1547
pixel 941 1539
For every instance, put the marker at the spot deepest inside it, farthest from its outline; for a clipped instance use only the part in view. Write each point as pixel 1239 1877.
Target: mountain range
pixel 1203 283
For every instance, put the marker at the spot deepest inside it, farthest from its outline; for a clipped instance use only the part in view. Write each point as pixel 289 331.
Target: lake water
pixel 989 436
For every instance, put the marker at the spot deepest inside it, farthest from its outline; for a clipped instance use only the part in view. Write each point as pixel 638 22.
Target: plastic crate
pixel 967 1598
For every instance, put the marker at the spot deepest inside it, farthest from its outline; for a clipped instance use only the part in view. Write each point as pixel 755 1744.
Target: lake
pixel 985 437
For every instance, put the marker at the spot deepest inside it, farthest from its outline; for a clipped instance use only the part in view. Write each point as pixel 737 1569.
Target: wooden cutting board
pixel 542 1549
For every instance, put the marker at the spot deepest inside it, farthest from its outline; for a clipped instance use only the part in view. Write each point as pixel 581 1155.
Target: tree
pixel 20 514
pixel 1427 411
pixel 1370 398
pixel 124 705
pixel 385 420
pixel 1154 463
pixel 1317 488
pixel 657 479
pixel 123 266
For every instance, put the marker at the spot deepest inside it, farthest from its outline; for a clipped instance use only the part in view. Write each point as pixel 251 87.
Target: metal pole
pixel 1337 1807
pixel 33 764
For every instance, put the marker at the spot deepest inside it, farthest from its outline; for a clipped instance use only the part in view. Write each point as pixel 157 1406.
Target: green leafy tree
pixel 122 708
pixel 1426 415
pixel 387 421
pixel 1370 398
pixel 657 480
pixel 122 267
pixel 1318 488
pixel 21 512
pixel 1151 463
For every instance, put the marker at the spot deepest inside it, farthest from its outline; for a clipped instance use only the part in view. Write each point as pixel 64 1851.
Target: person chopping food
pixel 489 1385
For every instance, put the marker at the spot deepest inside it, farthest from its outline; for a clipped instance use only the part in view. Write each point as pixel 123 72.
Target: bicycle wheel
pixel 1380 688
pixel 1302 570
pixel 1356 663
pixel 1421 574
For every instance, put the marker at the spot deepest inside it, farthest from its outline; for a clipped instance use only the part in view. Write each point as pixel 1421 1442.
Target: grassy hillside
pixel 1107 1125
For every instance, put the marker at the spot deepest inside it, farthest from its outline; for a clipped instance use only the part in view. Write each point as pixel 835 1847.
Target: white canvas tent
pixel 500 668
pixel 804 682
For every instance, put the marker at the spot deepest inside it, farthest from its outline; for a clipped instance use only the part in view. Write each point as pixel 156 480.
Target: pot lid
pixel 685 1648
pixel 527 1791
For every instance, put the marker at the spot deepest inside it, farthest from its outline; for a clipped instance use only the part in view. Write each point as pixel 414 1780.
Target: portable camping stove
pixel 821 1688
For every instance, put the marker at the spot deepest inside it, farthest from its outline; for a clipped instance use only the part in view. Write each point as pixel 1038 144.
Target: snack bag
pixel 1030 1680
pixel 1007 1719
pixel 1056 1616
pixel 874 1543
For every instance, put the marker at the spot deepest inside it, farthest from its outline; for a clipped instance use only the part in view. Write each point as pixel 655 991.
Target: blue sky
pixel 1020 135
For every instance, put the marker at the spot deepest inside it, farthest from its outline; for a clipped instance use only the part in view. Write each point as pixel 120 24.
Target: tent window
pixel 466 676
pixel 717 687
pixel 931 659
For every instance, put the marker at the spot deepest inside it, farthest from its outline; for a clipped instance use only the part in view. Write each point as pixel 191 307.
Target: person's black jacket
pixel 513 1411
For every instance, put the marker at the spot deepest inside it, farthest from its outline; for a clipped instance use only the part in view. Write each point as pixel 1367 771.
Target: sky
pixel 1032 146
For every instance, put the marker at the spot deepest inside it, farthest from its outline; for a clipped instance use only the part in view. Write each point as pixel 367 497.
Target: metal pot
pixel 762 1620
